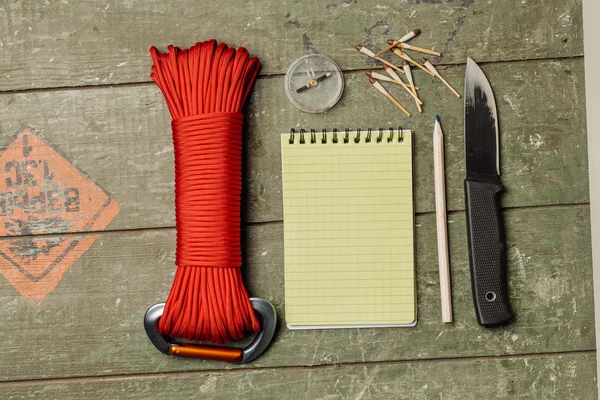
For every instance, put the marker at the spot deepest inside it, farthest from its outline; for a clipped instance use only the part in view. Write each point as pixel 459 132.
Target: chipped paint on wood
pixel 137 268
pixel 59 54
pixel 41 192
pixel 122 137
pixel 528 378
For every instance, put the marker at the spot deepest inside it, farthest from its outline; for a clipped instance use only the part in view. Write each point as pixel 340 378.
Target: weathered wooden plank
pixel 120 136
pixel 107 44
pixel 547 377
pixel 91 324
pixel 543 143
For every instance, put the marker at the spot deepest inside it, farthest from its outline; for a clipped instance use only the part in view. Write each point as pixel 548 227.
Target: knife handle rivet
pixel 490 296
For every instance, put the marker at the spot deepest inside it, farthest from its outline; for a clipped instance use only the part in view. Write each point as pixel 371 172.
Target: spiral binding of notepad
pixel 380 136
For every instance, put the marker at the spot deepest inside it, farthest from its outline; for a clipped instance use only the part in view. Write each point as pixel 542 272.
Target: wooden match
pixel 369 53
pixel 397 79
pixel 436 73
pixel 389 96
pixel 391 78
pixel 403 39
pixel 378 76
pixel 415 48
pixel 406 57
pixel 408 73
pixel 391 46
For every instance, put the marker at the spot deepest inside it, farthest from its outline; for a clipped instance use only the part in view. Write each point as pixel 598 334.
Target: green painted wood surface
pixel 546 377
pixel 72 43
pixel 99 304
pixel 90 326
pixel 121 137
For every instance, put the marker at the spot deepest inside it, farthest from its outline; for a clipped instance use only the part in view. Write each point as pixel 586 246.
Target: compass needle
pixel 320 89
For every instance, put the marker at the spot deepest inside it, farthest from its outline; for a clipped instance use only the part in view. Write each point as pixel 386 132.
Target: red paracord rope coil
pixel 205 88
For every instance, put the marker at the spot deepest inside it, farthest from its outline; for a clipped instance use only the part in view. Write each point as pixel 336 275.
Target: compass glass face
pixel 314 83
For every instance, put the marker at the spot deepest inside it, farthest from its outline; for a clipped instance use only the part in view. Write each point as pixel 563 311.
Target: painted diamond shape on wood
pixel 43 193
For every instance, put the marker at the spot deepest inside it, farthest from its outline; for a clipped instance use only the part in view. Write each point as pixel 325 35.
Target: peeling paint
pixel 565 19
pixel 513 104
pixel 536 141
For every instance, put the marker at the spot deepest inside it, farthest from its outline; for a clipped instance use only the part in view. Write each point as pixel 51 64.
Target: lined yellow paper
pixel 348 231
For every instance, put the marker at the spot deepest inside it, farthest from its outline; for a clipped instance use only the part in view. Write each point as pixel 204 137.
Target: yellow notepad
pixel 348 229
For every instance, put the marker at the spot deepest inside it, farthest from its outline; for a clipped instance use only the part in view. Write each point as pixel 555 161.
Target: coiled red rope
pixel 205 88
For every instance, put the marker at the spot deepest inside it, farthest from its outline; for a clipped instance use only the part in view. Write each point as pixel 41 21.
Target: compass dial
pixel 314 83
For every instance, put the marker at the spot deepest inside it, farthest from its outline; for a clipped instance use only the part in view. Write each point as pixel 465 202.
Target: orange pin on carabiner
pixel 268 321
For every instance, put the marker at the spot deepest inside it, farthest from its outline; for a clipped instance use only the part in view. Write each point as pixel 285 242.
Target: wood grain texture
pixel 72 43
pixel 120 136
pixel 88 333
pixel 91 324
pixel 547 377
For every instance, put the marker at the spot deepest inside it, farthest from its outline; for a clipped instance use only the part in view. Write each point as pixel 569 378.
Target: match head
pixel 372 81
pixel 416 31
pixel 368 73
pixel 404 62
pixel 390 41
pixel 423 60
pixel 358 47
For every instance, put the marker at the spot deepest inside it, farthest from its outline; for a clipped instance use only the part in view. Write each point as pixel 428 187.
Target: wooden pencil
pixel 440 218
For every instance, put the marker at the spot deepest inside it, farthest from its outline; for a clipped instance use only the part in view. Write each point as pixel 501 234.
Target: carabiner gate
pixel 268 323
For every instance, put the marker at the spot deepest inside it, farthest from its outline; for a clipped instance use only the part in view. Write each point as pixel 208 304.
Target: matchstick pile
pixel 397 47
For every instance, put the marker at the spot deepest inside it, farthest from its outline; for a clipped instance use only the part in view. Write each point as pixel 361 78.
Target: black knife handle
pixel 487 253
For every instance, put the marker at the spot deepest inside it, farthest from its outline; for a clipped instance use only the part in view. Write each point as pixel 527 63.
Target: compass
pixel 314 83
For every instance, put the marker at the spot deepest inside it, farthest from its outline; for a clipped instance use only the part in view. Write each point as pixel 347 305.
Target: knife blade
pixel 485 230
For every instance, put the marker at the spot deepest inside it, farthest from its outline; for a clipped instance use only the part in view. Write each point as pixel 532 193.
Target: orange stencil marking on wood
pixel 41 192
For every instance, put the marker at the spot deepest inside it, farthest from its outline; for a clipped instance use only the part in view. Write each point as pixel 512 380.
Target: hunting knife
pixel 485 231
